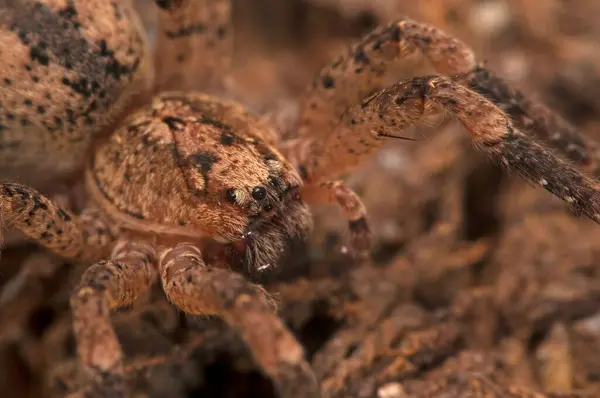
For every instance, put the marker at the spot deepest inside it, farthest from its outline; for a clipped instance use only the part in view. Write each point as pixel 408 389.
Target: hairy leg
pixel 198 289
pixel 194 44
pixel 536 118
pixel 84 237
pixel 105 286
pixel 35 268
pixel 351 205
pixel 15 237
pixel 359 72
pixel 366 127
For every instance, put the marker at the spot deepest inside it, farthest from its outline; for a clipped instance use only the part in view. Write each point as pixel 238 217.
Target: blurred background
pixel 477 284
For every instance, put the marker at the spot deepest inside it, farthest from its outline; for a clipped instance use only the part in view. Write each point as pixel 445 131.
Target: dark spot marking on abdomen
pixel 55 37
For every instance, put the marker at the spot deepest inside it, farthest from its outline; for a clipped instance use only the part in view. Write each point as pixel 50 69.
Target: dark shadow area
pixel 482 190
pixel 226 382
pixel 319 328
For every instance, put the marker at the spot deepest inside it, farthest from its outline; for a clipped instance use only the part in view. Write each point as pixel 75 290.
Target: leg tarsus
pixel 197 289
pixel 98 347
pixel 105 286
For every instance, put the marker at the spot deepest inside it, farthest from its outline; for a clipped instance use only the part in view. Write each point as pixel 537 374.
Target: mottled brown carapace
pixel 187 185
pixel 211 171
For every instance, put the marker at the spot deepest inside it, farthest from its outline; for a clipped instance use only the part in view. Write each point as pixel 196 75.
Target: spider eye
pixel 268 208
pixel 259 193
pixel 230 195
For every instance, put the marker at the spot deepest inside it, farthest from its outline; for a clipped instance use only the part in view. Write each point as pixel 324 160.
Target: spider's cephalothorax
pixel 212 173
pixel 189 182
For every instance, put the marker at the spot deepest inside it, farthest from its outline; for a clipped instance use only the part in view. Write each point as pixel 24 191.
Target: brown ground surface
pixel 478 284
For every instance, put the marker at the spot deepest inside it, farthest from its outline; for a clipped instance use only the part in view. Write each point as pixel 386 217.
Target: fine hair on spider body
pixel 190 187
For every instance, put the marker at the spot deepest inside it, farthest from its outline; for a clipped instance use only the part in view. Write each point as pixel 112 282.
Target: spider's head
pixel 275 217
pixel 253 198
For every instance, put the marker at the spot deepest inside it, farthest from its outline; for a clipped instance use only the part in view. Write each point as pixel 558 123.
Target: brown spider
pixel 191 185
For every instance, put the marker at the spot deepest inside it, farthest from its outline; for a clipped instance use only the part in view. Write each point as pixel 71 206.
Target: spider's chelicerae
pixel 190 185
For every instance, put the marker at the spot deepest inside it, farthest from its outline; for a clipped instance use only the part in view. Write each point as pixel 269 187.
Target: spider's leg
pixel 105 286
pixel 84 237
pixel 198 289
pixel 352 207
pixel 366 127
pixel 536 118
pixel 193 44
pixel 359 71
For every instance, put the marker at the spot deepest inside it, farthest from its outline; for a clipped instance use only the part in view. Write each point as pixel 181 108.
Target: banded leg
pixel 197 289
pixel 536 118
pixel 359 72
pixel 104 286
pixel 13 238
pixel 85 237
pixel 25 209
pixel 352 207
pixel 366 127
pixel 194 44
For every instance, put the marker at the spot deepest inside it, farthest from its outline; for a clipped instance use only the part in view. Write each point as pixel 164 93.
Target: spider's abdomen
pixel 68 71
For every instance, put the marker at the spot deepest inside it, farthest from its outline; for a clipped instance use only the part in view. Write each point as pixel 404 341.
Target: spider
pixel 189 186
